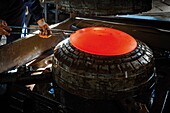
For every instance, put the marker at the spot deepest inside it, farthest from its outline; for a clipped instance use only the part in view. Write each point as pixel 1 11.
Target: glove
pixel 45 31
pixel 4 29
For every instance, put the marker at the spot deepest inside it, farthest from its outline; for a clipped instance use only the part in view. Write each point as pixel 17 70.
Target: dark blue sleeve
pixel 35 9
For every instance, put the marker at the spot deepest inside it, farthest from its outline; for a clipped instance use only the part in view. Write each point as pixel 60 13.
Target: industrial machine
pixel 93 62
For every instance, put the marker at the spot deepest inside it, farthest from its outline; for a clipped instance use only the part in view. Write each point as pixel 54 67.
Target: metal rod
pixel 57 30
pixel 35 33
pixel 164 101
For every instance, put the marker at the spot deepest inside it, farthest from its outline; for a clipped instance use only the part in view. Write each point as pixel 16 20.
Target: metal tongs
pixel 54 31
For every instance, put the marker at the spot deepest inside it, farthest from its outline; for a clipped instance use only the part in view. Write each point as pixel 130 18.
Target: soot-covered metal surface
pixel 104 7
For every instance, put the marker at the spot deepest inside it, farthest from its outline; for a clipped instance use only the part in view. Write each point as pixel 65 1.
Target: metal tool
pixel 54 31
pixel 34 33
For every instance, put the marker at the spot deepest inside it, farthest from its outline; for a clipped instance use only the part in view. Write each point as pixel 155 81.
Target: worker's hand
pixel 4 28
pixel 45 31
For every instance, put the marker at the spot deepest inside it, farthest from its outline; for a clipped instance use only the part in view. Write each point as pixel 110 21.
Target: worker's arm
pixel 36 10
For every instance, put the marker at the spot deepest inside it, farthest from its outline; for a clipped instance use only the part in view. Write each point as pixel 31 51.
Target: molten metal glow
pixel 103 41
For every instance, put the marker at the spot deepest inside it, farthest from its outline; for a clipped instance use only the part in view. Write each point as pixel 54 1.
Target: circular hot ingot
pixel 103 41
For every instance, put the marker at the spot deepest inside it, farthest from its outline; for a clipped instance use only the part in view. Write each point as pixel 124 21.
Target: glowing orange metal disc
pixel 103 41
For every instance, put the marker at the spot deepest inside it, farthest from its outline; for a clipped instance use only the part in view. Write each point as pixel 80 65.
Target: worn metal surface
pixel 104 7
pixel 103 77
pixel 28 48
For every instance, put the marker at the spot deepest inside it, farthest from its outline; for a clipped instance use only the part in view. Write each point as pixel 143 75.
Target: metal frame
pixel 45 3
